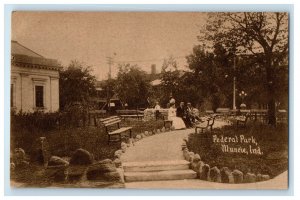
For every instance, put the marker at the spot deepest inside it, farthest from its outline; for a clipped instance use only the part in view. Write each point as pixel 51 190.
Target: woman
pixel 177 122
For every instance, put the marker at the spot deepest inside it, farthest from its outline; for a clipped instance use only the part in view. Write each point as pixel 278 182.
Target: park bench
pixel 130 114
pixel 112 128
pixel 242 120
pixel 206 123
pixel 94 115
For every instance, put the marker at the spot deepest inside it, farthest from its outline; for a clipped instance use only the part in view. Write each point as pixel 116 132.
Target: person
pixel 191 113
pixel 177 122
pixel 156 108
pixel 182 113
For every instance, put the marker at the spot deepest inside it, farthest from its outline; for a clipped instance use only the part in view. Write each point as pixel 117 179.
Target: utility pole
pixel 109 62
pixel 234 84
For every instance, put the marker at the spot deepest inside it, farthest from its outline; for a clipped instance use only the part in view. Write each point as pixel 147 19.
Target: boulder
pixel 40 151
pixel 215 175
pixel 186 154
pixel 163 129
pixel 18 155
pixel 118 153
pixel 57 173
pixel 138 137
pixel 81 157
pixel 191 156
pixel 258 177
pixel 265 177
pixel 199 166
pixel 196 158
pixel 124 148
pixel 172 128
pixel 250 178
pixel 158 131
pixel 238 176
pixel 12 166
pixel 103 170
pixel 146 133
pixel 56 161
pixel 118 162
pixel 226 175
pixel 76 172
pixel 204 175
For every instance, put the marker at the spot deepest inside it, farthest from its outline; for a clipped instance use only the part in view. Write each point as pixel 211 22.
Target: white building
pixel 34 81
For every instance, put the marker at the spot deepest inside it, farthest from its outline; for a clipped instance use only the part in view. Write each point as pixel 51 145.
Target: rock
pixel 76 172
pixel 12 166
pixel 191 156
pixel 138 137
pixel 250 178
pixel 56 161
pixel 123 144
pixel 199 166
pixel 124 148
pixel 238 176
pixel 215 175
pixel 40 151
pixel 186 154
pixel 265 177
pixel 121 174
pixel 146 133
pixel 81 157
pixel 258 177
pixel 118 153
pixel 163 129
pixel 118 162
pixel 56 173
pixel 186 139
pixel 204 175
pixel 105 171
pixel 142 135
pixel 196 158
pixel 226 175
pixel 19 155
pixel 172 128
pixel 158 131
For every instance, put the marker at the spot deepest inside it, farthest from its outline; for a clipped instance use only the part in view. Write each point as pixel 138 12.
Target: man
pixel 156 108
pixel 182 113
pixel 191 113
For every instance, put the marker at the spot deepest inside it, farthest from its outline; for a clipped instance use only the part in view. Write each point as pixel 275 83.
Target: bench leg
pixel 130 133
pixel 108 139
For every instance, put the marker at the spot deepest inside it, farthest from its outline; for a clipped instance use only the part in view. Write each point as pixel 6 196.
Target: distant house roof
pixel 25 57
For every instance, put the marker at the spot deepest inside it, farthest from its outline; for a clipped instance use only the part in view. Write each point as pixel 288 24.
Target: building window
pixel 39 96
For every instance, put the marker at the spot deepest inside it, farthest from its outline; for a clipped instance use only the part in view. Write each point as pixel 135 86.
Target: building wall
pixel 24 81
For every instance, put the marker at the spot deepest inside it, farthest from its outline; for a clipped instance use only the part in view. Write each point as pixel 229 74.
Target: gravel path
pixel 160 147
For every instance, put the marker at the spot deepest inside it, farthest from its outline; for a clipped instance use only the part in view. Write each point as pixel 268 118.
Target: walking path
pixel 167 147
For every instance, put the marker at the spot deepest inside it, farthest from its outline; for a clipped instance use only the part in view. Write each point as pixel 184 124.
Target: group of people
pixel 182 116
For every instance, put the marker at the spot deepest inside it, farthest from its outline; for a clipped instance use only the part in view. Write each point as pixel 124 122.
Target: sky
pixel 141 38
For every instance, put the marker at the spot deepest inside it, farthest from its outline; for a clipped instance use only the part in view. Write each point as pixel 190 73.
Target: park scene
pixel 149 100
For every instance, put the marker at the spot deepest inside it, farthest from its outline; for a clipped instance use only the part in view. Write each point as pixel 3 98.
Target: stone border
pixel 223 175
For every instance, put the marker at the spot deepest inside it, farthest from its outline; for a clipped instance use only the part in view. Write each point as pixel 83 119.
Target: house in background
pixel 34 81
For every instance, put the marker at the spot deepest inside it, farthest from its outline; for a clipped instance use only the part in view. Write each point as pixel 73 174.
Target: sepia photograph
pixel 149 100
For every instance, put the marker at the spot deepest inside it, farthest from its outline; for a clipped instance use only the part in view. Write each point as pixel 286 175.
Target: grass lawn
pixel 94 139
pixel 64 142
pixel 272 159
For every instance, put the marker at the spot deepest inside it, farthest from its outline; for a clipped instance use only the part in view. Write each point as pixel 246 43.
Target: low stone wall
pixel 149 113
pixel 214 174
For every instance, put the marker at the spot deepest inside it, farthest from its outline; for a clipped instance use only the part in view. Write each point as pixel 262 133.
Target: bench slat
pixel 112 123
pixel 108 118
pixel 121 130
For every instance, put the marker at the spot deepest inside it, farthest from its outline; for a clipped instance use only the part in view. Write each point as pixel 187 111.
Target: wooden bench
pixel 96 114
pixel 112 128
pixel 207 123
pixel 242 120
pixel 130 114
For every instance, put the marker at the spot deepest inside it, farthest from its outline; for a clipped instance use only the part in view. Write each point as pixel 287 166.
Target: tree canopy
pixel 76 84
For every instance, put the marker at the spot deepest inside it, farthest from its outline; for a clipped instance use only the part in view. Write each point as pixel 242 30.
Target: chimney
pixel 153 69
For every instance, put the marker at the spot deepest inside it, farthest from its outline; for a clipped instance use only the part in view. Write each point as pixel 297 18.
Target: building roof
pixel 25 57
pixel 17 48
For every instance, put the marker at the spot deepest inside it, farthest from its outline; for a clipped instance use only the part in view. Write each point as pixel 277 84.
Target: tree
pixel 132 86
pixel 263 35
pixel 76 84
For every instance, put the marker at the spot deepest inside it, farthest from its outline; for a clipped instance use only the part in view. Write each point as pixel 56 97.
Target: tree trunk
pixel 271 91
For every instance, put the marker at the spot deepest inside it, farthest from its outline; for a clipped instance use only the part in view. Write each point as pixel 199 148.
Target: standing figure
pixel 182 113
